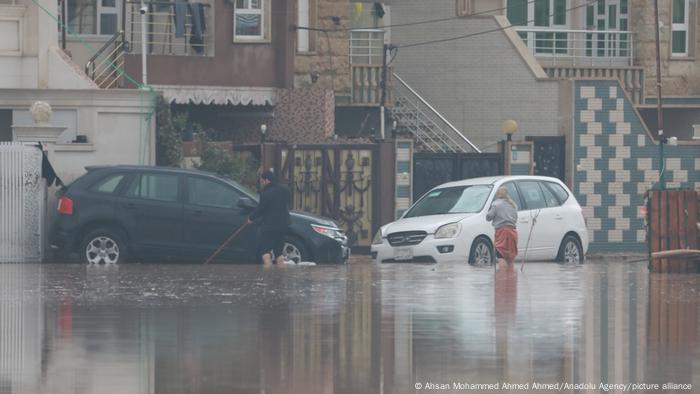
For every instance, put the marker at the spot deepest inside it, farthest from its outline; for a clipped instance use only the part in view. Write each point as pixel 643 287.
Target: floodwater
pixel 359 328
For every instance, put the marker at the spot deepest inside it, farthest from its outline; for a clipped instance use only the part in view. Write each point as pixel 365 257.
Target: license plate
pixel 403 254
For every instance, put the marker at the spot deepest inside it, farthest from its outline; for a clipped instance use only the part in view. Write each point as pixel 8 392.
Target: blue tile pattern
pixel 616 162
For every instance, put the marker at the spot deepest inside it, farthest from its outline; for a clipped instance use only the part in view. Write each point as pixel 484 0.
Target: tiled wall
pixel 616 162
pixel 404 169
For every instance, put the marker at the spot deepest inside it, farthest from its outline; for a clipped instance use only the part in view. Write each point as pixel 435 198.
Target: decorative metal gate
pixel 22 193
pixel 549 156
pixel 433 169
pixel 337 182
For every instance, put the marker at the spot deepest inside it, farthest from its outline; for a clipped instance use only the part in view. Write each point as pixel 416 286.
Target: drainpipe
pixel 382 119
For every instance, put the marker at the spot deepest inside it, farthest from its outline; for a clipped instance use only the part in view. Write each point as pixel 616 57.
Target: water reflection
pixel 350 329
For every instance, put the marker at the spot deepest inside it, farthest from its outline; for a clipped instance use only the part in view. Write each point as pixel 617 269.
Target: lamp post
pixel 509 128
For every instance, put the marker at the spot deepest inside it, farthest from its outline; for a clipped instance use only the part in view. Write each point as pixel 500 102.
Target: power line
pixel 407 23
pixel 525 23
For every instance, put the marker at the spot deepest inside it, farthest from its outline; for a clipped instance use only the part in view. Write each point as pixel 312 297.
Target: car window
pixel 209 193
pixel 549 197
pixel 532 194
pixel 108 184
pixel 560 192
pixel 160 187
pixel 460 199
pixel 514 194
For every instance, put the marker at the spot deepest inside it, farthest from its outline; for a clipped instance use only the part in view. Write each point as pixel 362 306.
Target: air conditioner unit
pixel 696 131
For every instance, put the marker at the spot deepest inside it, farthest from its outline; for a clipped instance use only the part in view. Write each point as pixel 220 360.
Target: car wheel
pixel 570 251
pixel 103 246
pixel 481 253
pixel 295 250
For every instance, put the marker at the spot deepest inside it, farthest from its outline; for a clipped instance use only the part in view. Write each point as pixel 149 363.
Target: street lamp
pixel 509 128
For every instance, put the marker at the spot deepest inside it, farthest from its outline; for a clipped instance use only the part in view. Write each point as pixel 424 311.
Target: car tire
pixel 103 245
pixel 482 252
pixel 294 249
pixel 570 251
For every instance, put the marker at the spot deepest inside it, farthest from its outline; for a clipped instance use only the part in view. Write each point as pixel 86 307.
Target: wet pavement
pixel 359 328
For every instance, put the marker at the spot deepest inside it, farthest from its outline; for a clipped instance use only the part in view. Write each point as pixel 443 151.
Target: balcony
pixel 586 54
pixel 579 47
pixel 179 29
pixel 366 57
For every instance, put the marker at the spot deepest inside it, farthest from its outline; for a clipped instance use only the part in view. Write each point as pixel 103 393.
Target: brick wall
pixel 328 56
pixel 616 162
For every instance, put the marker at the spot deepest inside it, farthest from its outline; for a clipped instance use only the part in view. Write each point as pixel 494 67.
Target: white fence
pixel 22 200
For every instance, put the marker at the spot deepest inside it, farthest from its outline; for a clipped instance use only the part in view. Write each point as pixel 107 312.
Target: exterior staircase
pixel 433 133
pixel 106 66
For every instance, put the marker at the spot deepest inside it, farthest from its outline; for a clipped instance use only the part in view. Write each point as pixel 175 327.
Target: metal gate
pixel 338 182
pixel 22 193
pixel 433 169
pixel 549 156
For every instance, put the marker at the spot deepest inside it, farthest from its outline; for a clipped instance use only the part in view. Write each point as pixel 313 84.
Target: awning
pixel 221 95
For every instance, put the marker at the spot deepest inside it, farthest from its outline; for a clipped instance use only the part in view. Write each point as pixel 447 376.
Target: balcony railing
pixel 180 29
pixel 366 46
pixel 579 47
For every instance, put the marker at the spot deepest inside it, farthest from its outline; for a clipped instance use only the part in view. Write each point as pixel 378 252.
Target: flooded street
pixel 359 328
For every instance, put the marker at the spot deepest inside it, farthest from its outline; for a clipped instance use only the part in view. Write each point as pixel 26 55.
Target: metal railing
pixel 414 114
pixel 580 47
pixel 366 46
pixel 106 66
pixel 162 33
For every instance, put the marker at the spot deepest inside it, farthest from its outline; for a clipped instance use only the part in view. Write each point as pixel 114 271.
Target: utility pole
pixel 144 45
pixel 382 103
pixel 659 106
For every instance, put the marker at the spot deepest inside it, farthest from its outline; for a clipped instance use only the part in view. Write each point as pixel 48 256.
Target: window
pixel 560 192
pixel 532 194
pixel 160 187
pixel 94 17
pixel 679 28
pixel 461 199
pixel 209 193
pixel 549 198
pixel 514 194
pixel 249 20
pixel 107 185
pixel 541 13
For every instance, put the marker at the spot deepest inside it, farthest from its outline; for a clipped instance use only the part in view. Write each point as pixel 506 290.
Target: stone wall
pixel 328 55
pixel 679 76
pixel 616 162
pixel 303 116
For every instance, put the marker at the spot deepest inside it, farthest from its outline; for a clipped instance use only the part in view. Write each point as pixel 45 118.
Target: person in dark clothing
pixel 273 213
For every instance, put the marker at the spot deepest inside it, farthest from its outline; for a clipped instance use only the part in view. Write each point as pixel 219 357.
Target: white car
pixel 449 223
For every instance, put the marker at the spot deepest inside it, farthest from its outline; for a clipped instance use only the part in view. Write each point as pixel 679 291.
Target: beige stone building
pixel 614 38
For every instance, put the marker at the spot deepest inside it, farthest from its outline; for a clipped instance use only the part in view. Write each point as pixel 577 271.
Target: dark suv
pixel 132 213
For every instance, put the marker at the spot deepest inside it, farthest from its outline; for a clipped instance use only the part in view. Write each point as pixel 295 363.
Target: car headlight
pixel 448 231
pixel 329 232
pixel 377 238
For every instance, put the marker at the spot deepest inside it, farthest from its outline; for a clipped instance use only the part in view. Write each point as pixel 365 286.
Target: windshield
pixel 461 199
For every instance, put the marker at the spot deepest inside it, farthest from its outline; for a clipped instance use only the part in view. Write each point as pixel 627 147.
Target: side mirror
pixel 246 204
